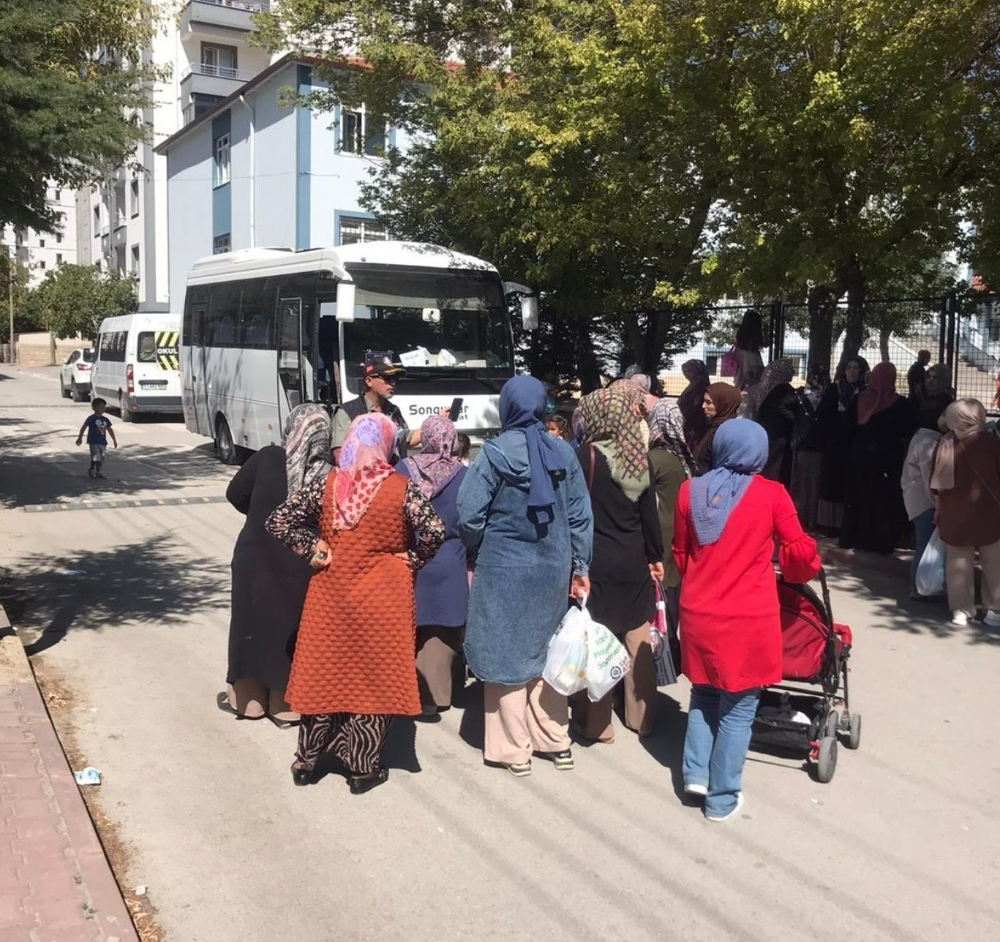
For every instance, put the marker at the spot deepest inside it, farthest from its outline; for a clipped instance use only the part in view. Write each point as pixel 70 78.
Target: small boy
pixel 97 427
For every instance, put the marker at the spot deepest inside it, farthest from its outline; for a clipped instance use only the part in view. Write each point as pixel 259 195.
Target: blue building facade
pixel 254 172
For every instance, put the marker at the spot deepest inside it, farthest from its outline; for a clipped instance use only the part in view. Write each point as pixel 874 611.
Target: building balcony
pixel 218 80
pixel 228 14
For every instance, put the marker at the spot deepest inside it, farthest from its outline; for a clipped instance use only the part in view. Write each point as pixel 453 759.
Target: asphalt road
pixel 129 605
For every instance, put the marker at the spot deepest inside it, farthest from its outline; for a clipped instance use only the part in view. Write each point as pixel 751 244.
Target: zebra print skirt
pixel 354 738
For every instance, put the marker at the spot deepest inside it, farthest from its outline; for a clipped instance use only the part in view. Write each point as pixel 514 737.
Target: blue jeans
pixel 923 530
pixel 715 747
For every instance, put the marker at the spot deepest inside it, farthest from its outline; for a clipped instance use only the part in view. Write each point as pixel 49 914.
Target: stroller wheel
pixel 826 761
pixel 854 737
pixel 832 723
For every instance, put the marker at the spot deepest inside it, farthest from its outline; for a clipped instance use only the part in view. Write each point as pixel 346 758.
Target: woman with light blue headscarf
pixel 725 527
pixel 524 513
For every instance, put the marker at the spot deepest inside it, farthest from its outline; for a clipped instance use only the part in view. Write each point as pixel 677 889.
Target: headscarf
pixel 364 467
pixel 880 394
pixel 522 409
pixel 308 445
pixel 964 418
pixel 776 373
pixel 613 424
pixel 739 451
pixel 635 375
pixel 943 374
pixel 727 401
pixel 666 429
pixel 847 391
pixel 438 460
pixel 931 408
pixel 690 401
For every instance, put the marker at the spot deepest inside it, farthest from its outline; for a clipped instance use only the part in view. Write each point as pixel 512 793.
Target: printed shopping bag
pixel 607 661
pixel 566 661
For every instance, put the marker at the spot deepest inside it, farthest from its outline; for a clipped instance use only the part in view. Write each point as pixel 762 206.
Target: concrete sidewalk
pixel 56 884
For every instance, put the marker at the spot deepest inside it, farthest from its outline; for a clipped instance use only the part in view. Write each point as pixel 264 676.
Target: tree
pixel 16 272
pixel 580 146
pixel 72 88
pixel 74 299
pixel 884 141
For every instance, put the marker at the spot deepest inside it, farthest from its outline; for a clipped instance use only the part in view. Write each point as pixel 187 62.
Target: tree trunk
pixel 883 344
pixel 821 311
pixel 587 366
pixel 854 332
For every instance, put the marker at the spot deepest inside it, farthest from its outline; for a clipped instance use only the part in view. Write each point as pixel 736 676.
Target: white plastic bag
pixel 607 660
pixel 566 661
pixel 930 569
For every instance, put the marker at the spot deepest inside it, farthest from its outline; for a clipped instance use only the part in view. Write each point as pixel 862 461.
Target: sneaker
pixel 563 761
pixel 520 769
pixel 695 790
pixel 733 813
pixel 992 619
pixel 959 619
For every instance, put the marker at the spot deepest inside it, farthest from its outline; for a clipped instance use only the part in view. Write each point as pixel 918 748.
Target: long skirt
pixel 806 470
pixel 354 738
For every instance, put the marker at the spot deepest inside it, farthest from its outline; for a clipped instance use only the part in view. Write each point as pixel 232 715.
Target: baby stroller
pixel 815 651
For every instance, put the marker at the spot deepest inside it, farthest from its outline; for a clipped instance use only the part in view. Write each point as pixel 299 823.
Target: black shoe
pixel 365 783
pixel 303 776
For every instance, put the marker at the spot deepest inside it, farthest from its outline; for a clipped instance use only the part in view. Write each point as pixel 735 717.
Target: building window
pixel 358 229
pixel 361 133
pixel 58 258
pixel 218 60
pixel 135 197
pixel 41 243
pixel 203 103
pixel 221 170
pixel 220 244
pixel 58 238
pixel 135 260
pixel 41 266
pixel 97 219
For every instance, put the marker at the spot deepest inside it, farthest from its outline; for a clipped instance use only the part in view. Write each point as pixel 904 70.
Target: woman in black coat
pixel 775 405
pixel 269 580
pixel 837 422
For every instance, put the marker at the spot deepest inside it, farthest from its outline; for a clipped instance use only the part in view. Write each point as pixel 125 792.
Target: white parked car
pixel 74 380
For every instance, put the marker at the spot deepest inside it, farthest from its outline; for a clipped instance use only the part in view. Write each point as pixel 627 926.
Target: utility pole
pixel 10 301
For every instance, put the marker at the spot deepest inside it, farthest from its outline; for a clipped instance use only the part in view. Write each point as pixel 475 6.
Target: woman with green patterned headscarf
pixel 628 549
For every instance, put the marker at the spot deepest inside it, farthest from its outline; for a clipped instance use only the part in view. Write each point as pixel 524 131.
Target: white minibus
pixel 267 329
pixel 136 364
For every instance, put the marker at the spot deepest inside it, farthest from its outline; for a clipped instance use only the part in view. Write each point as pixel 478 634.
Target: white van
pixel 136 367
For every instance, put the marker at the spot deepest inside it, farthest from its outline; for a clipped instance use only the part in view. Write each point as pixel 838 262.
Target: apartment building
pixel 43 252
pixel 254 172
pixel 122 223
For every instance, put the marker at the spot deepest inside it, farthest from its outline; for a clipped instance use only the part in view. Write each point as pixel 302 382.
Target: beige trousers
pixel 594 719
pixel 250 698
pixel 520 720
pixel 960 577
pixel 437 649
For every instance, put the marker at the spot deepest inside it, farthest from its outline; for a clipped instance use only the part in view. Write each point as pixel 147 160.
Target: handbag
pixel 729 364
pixel 664 640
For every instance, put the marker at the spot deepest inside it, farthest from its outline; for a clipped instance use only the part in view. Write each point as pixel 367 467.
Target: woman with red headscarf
pixel 874 513
pixel 354 666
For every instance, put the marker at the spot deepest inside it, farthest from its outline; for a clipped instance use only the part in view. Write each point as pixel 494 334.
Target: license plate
pixel 153 384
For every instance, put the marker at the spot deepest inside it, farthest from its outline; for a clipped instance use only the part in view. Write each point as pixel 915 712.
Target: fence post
pixel 777 329
pixel 950 320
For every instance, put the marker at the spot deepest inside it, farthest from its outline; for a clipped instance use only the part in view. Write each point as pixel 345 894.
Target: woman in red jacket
pixel 724 531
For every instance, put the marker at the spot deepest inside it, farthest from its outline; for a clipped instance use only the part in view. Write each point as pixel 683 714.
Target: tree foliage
pixel 633 160
pixel 74 299
pixel 13 286
pixel 72 88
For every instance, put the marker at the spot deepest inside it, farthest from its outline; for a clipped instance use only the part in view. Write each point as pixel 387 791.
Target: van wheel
pixel 126 413
pixel 225 447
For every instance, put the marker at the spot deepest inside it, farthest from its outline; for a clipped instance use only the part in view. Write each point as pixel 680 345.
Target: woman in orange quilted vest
pixel 355 663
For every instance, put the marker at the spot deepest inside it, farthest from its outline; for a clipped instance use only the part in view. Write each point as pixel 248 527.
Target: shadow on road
pixel 27 479
pixel 137 583
pixel 892 608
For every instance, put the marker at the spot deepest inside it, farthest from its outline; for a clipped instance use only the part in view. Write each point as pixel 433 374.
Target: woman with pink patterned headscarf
pixel 442 588
pixel 354 665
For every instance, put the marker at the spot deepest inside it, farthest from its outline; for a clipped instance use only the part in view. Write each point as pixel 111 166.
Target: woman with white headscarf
pixel 269 582
pixel 966 479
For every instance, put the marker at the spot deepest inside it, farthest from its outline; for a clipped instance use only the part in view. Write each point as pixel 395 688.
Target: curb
pixel 82 879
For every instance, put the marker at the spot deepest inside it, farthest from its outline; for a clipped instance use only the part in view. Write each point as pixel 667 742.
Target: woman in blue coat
pixel 525 513
pixel 442 588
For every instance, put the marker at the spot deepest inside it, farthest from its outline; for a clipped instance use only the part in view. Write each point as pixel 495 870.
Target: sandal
pixel 222 702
